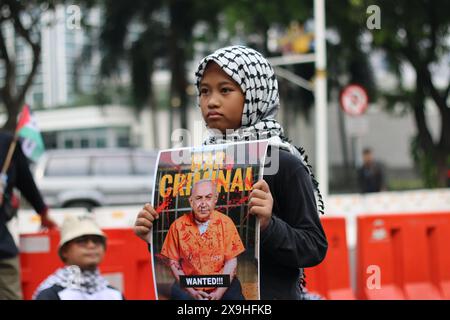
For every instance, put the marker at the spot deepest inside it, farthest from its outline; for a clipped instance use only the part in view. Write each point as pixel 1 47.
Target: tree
pixel 412 32
pixel 347 62
pixel 167 35
pixel 21 19
pixel 253 19
pixel 258 16
pixel 417 33
pixel 24 17
pixel 351 66
pixel 140 54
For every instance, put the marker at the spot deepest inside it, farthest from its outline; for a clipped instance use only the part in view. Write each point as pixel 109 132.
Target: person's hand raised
pixel 47 222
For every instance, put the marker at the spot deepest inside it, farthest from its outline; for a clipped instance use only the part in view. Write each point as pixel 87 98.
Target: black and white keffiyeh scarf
pixel 256 77
pixel 72 277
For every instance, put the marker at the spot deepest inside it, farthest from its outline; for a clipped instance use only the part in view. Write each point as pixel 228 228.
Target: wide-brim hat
pixel 74 227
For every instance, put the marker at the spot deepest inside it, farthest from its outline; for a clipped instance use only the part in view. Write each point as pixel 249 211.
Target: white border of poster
pixel 187 258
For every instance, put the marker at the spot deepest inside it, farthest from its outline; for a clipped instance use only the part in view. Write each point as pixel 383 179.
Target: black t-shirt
pixel 294 238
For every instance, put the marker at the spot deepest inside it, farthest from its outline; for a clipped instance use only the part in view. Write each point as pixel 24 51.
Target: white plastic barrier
pixel 27 221
pixel 389 202
pixel 106 217
pixel 116 217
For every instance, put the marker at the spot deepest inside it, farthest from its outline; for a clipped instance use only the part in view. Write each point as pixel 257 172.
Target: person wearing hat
pixel 82 248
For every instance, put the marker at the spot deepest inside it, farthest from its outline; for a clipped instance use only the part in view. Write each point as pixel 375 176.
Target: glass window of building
pixel 68 144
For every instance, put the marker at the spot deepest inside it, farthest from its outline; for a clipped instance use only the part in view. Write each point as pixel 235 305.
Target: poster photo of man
pixel 205 245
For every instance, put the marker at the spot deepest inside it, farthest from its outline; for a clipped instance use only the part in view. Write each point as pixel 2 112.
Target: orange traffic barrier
pixel 331 278
pixel 403 256
pixel 38 259
pixel 126 264
pixel 128 255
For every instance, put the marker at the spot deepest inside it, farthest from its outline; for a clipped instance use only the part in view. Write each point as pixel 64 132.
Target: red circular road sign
pixel 354 100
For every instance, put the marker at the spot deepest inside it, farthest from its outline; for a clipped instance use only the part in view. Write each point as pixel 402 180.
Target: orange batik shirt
pixel 203 254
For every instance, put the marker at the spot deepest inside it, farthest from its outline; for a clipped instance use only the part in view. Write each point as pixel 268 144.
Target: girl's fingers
pixel 145 222
pixel 254 201
pixel 261 185
pixel 141 231
pixel 143 214
pixel 149 210
pixel 256 193
pixel 148 206
pixel 257 210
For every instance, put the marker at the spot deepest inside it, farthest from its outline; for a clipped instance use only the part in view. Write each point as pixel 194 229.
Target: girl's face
pixel 221 99
pixel 86 252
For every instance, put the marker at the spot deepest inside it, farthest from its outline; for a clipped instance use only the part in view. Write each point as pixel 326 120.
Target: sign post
pixel 354 102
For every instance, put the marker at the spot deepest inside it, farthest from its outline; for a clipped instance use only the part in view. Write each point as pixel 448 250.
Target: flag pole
pixel 11 149
pixel 3 176
pixel 9 155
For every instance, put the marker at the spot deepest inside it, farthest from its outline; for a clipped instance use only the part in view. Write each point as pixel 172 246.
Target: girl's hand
pixel 261 203
pixel 144 222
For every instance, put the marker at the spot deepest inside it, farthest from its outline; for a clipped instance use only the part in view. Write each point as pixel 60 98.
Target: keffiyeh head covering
pixel 72 277
pixel 256 77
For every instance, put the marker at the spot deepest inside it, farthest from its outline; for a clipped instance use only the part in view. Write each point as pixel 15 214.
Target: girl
pixel 238 97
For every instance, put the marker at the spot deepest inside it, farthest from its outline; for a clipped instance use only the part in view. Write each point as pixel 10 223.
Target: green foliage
pixel 105 95
pixel 425 164
pixel 417 33
pixel 405 184
pixel 147 31
pixel 257 16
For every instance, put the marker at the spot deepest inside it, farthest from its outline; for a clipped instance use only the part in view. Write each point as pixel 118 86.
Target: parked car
pixel 96 177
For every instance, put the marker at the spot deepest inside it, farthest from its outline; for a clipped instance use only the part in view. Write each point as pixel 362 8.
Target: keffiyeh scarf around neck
pixel 72 277
pixel 256 77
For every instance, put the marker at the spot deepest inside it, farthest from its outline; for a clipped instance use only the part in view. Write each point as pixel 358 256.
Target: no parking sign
pixel 354 100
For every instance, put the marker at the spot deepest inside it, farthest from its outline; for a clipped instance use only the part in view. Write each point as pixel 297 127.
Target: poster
pixel 205 244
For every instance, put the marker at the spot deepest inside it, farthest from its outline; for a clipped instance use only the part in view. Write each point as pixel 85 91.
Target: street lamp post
pixel 320 90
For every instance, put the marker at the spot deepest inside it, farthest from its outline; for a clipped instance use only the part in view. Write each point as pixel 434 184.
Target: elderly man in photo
pixel 203 242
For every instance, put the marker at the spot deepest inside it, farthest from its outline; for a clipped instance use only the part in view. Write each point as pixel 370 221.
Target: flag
pixel 27 129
